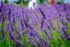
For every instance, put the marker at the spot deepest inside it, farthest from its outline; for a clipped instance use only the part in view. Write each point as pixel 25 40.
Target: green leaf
pixel 68 30
pixel 8 41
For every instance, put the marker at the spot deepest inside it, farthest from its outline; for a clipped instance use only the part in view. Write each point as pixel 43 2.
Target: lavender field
pixel 44 26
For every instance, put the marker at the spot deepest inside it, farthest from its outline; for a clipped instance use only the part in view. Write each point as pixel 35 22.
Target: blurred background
pixel 25 2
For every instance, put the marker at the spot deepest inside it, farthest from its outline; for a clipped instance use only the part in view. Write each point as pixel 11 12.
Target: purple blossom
pixel 68 38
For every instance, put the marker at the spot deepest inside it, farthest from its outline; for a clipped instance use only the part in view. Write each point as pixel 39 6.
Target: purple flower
pixel 68 38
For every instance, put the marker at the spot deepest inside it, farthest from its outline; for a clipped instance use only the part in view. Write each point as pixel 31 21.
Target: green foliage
pixel 25 3
pixel 8 41
pixel 59 2
pixel 68 28
pixel 5 1
pixel 41 1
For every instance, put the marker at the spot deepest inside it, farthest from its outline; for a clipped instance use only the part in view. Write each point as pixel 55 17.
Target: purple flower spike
pixel 11 36
pixel 19 43
pixel 68 38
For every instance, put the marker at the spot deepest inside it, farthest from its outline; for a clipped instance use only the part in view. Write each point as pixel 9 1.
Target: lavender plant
pixel 44 26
